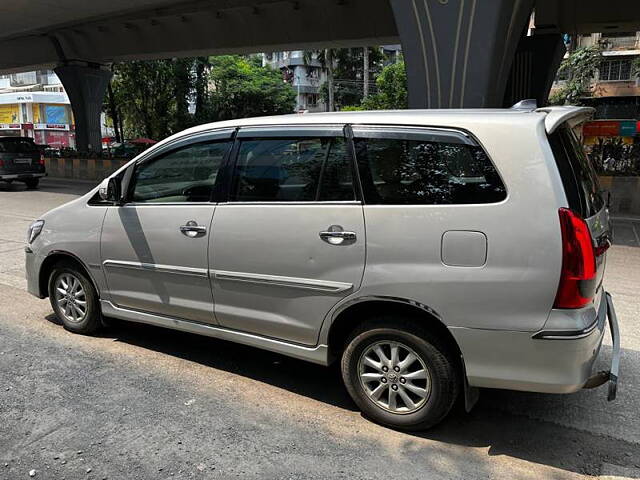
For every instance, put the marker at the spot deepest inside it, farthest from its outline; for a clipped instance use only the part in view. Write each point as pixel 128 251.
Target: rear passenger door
pixel 290 241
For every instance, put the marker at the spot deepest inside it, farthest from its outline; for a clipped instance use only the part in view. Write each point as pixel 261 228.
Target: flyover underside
pixel 205 28
pixel 459 52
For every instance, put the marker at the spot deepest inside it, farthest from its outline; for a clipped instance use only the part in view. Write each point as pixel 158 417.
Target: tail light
pixel 42 159
pixel 1 163
pixel 578 276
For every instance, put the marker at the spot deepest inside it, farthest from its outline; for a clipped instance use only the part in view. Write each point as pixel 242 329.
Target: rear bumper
pixel 21 176
pixel 560 361
pixel 615 352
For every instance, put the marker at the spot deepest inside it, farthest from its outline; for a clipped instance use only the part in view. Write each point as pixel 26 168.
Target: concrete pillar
pixel 534 67
pixel 458 53
pixel 85 86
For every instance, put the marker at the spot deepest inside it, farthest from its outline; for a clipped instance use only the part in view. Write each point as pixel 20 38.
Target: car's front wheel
pixel 399 374
pixel 74 299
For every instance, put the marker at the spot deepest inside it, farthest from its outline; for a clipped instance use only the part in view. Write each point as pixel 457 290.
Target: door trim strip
pixel 154 267
pixel 282 281
pixel 317 354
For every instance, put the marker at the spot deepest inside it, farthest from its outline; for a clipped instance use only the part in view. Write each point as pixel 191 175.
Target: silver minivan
pixel 428 253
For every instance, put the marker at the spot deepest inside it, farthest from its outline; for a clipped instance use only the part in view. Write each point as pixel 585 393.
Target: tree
pixel 365 72
pixel 242 87
pixel 152 96
pixel 392 89
pixel 346 74
pixel 326 58
pixel 581 66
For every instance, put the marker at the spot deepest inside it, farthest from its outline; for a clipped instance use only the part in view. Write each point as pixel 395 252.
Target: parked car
pixel 429 253
pixel 21 160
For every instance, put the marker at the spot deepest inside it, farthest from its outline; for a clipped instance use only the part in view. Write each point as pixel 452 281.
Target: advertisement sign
pixel 8 114
pixel 51 126
pixel 628 128
pixel 611 128
pixel 55 114
pixel 604 128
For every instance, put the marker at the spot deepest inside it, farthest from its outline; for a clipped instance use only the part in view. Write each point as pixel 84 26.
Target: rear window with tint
pixel 17 146
pixel 579 178
pixel 396 171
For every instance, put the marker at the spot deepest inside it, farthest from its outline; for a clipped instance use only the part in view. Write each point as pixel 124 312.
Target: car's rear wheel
pixel 74 299
pixel 32 183
pixel 399 374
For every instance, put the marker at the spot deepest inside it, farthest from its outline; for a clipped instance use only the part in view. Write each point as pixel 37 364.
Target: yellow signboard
pixel 9 113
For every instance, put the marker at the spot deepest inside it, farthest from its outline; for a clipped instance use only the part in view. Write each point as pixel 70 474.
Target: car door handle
pixel 335 235
pixel 193 230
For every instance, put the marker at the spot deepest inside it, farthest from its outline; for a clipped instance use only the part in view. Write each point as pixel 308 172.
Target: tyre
pixel 32 183
pixel 400 375
pixel 74 299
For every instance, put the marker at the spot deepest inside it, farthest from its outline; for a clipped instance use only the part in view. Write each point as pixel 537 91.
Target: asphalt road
pixel 139 402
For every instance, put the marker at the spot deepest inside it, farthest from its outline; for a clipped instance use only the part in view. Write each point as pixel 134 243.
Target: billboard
pixel 8 114
pixel 55 114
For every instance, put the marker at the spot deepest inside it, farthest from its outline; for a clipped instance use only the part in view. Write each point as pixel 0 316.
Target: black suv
pixel 21 160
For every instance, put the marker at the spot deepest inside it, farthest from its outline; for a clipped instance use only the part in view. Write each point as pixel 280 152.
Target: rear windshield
pixel 17 145
pixel 578 175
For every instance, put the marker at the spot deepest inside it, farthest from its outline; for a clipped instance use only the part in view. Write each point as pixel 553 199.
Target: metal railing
pixel 621 42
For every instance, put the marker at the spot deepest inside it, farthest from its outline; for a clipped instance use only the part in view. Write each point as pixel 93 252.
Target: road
pixel 146 403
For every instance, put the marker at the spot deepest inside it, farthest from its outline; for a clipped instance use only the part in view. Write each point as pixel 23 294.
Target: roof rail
pixel 526 104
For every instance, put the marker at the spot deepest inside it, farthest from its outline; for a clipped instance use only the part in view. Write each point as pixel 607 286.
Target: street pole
pixel 365 70
pixel 298 89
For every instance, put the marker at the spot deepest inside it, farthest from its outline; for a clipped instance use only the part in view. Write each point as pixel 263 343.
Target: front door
pixel 154 248
pixel 290 243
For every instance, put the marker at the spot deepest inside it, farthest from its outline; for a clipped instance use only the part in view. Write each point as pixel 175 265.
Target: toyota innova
pixel 427 253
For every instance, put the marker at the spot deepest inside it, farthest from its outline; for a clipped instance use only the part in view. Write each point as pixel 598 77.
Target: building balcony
pixel 618 88
pixel 620 43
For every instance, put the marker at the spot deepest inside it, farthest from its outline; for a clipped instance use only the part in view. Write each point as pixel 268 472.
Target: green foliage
pixel 392 89
pixel 635 67
pixel 347 73
pixel 352 108
pixel 145 92
pixel 581 65
pixel 152 97
pixel 242 87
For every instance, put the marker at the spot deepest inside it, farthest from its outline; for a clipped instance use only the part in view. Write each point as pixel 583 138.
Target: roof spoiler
pixel 556 116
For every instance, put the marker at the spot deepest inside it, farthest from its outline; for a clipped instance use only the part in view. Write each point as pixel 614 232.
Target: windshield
pixel 578 175
pixel 17 145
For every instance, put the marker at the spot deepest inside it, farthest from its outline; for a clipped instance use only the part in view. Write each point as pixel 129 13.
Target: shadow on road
pixel 50 185
pixel 626 231
pixel 489 426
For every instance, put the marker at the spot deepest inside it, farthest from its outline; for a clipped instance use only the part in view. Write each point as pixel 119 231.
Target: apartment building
pixel 616 89
pixel 306 77
pixel 34 104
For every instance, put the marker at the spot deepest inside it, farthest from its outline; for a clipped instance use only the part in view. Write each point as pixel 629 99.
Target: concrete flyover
pixel 459 53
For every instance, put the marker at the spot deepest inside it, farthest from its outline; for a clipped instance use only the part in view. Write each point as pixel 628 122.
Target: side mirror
pixel 109 190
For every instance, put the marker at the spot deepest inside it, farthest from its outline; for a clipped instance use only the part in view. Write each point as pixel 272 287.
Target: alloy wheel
pixel 394 377
pixel 71 298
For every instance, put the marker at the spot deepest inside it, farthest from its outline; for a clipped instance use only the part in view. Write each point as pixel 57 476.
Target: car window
pixel 292 170
pixel 403 171
pixel 187 174
pixel 579 178
pixel 17 146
